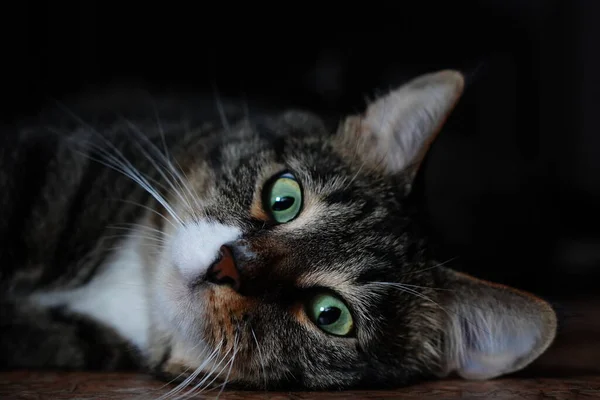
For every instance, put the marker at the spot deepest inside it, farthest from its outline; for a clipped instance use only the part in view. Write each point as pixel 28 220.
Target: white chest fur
pixel 117 297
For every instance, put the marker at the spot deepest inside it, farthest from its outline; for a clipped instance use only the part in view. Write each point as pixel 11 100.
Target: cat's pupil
pixel 282 203
pixel 329 315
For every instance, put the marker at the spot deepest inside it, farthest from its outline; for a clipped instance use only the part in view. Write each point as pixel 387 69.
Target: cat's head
pixel 297 261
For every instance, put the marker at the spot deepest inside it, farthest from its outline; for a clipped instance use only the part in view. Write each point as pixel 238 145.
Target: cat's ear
pixel 493 330
pixel 396 130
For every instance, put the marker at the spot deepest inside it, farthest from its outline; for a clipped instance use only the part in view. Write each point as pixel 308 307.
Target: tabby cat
pixel 263 251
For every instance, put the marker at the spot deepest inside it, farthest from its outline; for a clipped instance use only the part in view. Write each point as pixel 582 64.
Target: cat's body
pixel 261 250
pixel 79 233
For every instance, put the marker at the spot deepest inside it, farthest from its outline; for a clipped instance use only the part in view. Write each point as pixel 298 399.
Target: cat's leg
pixel 31 337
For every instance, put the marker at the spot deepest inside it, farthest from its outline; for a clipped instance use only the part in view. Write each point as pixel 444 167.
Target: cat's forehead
pixel 349 217
pixel 349 227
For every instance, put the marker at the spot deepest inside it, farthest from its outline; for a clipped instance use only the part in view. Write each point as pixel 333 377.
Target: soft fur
pixel 106 269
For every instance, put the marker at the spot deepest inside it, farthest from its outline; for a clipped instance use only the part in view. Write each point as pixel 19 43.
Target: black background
pixel 511 186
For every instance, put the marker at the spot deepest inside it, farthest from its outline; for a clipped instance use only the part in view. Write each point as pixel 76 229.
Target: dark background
pixel 511 186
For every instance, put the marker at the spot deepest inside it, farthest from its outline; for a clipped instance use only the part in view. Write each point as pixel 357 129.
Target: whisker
pixel 230 362
pixel 131 284
pixel 151 210
pixel 183 385
pixel 134 227
pixel 423 287
pixel 403 288
pixel 119 165
pixel 355 175
pixel 260 357
pixel 172 381
pixel 430 268
pixel 207 388
pixel 235 351
pixel 167 161
pixel 160 128
pixel 127 168
pixel 154 241
pixel 112 162
pixel 147 245
pixel 136 234
pixel 153 161
pixel 210 373
pixel 220 108
pixel 153 234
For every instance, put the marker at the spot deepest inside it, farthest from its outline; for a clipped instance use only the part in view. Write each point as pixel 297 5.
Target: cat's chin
pixel 198 321
pixel 191 359
pixel 194 310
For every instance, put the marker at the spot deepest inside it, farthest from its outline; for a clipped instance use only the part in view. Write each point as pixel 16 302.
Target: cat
pixel 262 251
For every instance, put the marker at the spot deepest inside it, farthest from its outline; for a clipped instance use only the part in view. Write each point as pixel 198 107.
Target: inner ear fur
pixel 491 329
pixel 397 129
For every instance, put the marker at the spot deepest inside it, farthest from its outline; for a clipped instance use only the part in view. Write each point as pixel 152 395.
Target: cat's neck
pixel 118 296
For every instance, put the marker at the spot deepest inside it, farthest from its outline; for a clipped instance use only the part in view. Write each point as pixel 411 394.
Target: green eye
pixel 284 198
pixel 330 314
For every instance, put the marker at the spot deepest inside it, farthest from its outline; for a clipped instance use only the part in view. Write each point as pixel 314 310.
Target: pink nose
pixel 224 271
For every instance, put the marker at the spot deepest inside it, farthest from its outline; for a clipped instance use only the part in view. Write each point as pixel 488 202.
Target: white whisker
pixel 430 268
pixel 355 176
pixel 123 165
pixel 141 228
pixel 221 109
pixel 260 357
pixel 192 391
pixel 160 129
pixel 173 180
pixel 226 380
pixel 404 288
pixel 150 210
pixel 183 385
pixel 141 232
pixel 175 173
pixel 133 174
pixel 151 246
pixel 235 350
pixel 143 237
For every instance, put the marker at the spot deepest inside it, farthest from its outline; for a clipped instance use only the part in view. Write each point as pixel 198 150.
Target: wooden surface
pixel 36 385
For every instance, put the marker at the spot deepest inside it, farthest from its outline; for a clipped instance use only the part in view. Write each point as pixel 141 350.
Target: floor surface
pixel 42 386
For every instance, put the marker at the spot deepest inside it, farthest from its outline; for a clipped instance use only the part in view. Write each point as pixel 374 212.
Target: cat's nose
pixel 224 270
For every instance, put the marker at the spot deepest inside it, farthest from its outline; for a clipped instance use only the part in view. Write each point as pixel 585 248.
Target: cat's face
pixel 295 260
